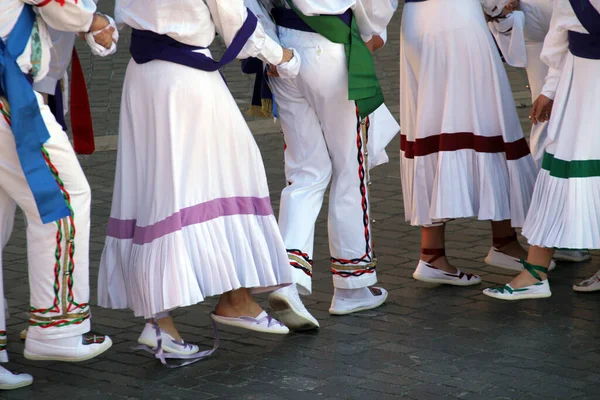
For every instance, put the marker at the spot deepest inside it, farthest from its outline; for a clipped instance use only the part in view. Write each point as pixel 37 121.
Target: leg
pixel 8 380
pixel 504 238
pixel 308 172
pixel 57 252
pixel 434 237
pixel 353 261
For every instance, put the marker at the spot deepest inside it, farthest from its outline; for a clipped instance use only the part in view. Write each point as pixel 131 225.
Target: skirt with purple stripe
pixel 191 215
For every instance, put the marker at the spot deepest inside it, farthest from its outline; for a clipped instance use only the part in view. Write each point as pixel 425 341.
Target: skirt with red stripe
pixel 463 153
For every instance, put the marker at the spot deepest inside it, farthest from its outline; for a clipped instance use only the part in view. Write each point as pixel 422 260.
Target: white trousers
pixel 325 141
pixel 57 253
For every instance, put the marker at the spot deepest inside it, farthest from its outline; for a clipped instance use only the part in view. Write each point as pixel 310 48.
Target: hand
pixel 272 71
pixel 513 5
pixel 105 37
pixel 99 23
pixel 541 109
pixel 375 43
pixel 287 56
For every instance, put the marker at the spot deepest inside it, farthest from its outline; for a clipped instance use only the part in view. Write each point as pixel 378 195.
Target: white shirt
pixel 372 16
pixel 556 45
pixel 195 22
pixel 72 16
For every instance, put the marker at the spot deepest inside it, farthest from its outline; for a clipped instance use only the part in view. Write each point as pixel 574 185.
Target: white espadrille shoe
pixel 538 290
pixel 591 284
pixel 426 272
pixel 262 323
pixel 149 337
pixel 496 258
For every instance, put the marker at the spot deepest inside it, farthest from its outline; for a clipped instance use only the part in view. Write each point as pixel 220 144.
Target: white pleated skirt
pixel 191 215
pixel 463 153
pixel 565 211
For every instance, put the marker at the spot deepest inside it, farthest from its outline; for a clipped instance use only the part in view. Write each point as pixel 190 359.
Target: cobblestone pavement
pixel 427 342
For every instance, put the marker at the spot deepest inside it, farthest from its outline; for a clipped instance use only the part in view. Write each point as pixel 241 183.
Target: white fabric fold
pixel 509 33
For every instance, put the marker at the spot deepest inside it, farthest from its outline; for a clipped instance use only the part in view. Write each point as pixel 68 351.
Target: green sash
pixel 363 85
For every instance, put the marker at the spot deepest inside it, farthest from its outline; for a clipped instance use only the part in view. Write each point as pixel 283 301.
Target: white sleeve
pixel 493 8
pixel 264 17
pixel 373 16
pixel 229 16
pixel 556 48
pixel 70 16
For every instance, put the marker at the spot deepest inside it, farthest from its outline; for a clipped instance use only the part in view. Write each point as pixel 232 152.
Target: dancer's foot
pixel 71 349
pixel 435 268
pixel 238 308
pixel 348 301
pixel 531 283
pixel 9 380
pixel 238 303
pixel 167 325
pixel 169 343
pixel 591 284
pixel 290 310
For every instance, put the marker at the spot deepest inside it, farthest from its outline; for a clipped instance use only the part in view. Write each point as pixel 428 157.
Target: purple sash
pixel 148 46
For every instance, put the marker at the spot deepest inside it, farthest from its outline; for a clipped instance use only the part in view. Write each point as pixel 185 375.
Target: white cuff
pixel 290 69
pixel 98 50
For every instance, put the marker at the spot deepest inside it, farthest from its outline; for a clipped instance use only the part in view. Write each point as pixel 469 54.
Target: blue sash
pixel 27 123
pixel 148 46
pixel 581 44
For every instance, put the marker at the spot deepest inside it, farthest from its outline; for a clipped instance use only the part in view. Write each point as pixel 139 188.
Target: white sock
pixel 353 294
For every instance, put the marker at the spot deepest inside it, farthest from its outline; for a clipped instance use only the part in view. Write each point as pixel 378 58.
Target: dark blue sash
pixel 27 123
pixel 148 46
pixel 584 46
pixel 581 44
pixel 587 15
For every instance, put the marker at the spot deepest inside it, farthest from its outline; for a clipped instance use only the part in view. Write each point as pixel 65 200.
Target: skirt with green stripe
pixel 565 209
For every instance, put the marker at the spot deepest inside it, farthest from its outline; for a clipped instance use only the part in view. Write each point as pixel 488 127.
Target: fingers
pixel 534 111
pixel 272 71
pixel 105 37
